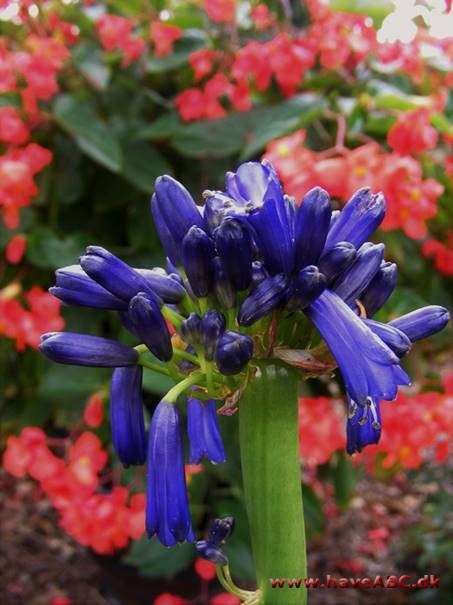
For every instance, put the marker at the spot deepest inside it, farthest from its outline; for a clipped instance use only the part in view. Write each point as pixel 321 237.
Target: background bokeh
pixel 99 98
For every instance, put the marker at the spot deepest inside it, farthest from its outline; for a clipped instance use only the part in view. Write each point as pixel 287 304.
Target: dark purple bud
pixel 308 284
pixel 149 326
pixel 113 274
pixel 167 287
pixel 234 351
pixel 360 217
pixel 336 260
pixel 354 280
pixel 259 273
pixel 220 530
pixel 190 329
pixel 170 245
pixel 203 432
pixel 268 295
pixel 75 287
pixel 85 350
pixel 211 553
pixel 126 415
pixel 176 209
pixel 423 322
pixel 167 504
pixel 223 288
pixel 198 252
pixel 380 288
pixel 312 226
pixel 393 338
pixel 234 246
pixel 212 326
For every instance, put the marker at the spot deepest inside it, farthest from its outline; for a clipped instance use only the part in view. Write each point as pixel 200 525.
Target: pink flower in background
pixel 164 36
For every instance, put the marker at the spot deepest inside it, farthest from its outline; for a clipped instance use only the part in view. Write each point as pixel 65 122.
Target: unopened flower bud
pixel 380 288
pixel 234 351
pixel 198 252
pixel 234 245
pixel 212 326
pixel 268 295
pixel 312 226
pixel 149 325
pixel 308 284
pixel 336 260
pixel 85 350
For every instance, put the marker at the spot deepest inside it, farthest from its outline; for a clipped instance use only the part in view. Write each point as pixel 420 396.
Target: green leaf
pixel 345 479
pixel 442 123
pixel 127 7
pixel 153 560
pixel 314 516
pixel 227 136
pixel 387 96
pixel 192 40
pixel 142 164
pixel 47 250
pixel 284 119
pixel 167 125
pixel 10 99
pixel 60 382
pixel 377 9
pixel 93 136
pixel 88 58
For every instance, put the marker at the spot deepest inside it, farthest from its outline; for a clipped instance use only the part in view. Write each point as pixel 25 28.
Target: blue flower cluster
pixel 246 274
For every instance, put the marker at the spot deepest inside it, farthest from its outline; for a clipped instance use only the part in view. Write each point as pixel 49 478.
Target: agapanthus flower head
pixel 246 274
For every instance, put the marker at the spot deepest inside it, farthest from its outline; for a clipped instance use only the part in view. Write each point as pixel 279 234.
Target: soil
pixel 39 561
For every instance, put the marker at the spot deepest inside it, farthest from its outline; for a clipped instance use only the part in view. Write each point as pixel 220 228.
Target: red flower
pixel 164 36
pixel 61 601
pixel 316 447
pixel 115 33
pixel 190 104
pixel 87 458
pixel 93 414
pixel 443 254
pixel 262 16
pixel 15 249
pixel 412 133
pixel 136 520
pixel 411 201
pixel 205 569
pixel 252 60
pixel 342 39
pixel 26 326
pixel 20 451
pixel 12 129
pixel 240 97
pixel 202 62
pixel 169 599
pixel 221 11
pixel 7 76
pixel 17 168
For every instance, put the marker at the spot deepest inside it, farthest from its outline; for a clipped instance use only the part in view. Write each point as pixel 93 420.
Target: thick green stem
pixel 269 439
